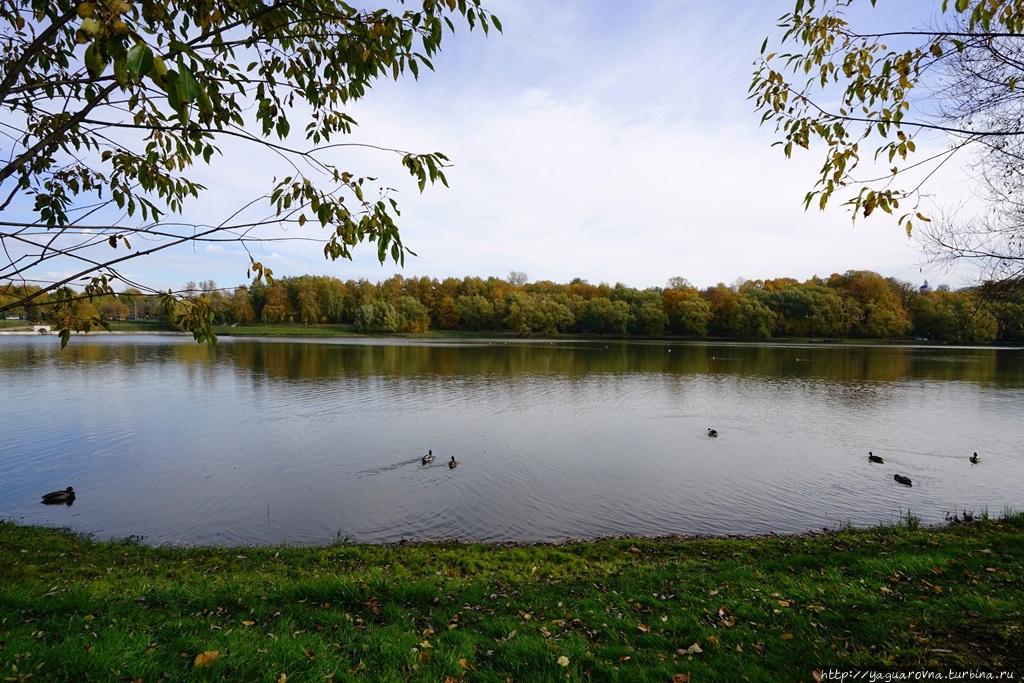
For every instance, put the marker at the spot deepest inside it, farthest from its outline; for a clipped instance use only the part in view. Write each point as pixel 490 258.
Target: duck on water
pixel 65 496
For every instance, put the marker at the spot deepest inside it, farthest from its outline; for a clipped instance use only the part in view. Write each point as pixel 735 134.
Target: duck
pixel 429 457
pixel 902 480
pixel 712 432
pixel 975 458
pixel 452 464
pixel 59 496
pixel 874 458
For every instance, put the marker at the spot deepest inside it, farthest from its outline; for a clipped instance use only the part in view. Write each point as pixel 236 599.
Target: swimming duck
pixel 712 432
pixel 452 464
pixel 60 496
pixel 902 480
pixel 429 457
pixel 975 459
pixel 874 458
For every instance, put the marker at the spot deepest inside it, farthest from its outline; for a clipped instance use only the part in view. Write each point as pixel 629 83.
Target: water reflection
pixel 299 442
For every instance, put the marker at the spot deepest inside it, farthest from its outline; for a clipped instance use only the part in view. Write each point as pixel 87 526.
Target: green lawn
pixel 765 609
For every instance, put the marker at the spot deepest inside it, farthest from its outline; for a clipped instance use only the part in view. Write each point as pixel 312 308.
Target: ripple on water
pixel 225 454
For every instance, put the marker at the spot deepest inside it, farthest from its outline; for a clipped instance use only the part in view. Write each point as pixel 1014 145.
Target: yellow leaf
pixel 248 623
pixel 563 661
pixel 643 627
pixel 713 640
pixel 787 636
pixel 207 658
pixel 88 617
pixel 783 603
pixel 681 678
pixel 425 644
pixel 283 678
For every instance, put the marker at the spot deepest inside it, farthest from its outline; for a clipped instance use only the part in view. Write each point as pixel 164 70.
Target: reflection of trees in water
pixel 285 360
pixel 577 359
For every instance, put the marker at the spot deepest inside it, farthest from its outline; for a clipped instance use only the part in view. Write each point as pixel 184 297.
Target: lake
pixel 316 441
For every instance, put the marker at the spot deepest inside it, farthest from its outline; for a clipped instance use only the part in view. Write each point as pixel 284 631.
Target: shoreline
pixel 435 336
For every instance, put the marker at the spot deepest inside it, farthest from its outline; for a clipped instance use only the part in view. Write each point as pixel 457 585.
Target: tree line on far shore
pixel 856 304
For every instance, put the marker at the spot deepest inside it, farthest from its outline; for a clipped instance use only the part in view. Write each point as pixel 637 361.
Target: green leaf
pixel 121 72
pixel 95 61
pixel 140 61
pixel 189 86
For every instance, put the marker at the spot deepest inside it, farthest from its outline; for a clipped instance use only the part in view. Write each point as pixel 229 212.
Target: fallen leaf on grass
pixel 681 678
pixel 424 657
pixel 544 632
pixel 248 623
pixel 207 658
pixel 817 676
pixel 692 650
pixel 625 658
pixel 283 678
pixel 787 636
pixel 425 644
pixel 563 661
pixel 713 640
pixel 644 628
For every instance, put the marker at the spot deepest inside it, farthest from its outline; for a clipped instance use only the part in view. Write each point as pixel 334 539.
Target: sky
pixel 597 139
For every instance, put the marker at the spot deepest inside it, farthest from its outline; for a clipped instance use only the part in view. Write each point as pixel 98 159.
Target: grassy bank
pixel 765 609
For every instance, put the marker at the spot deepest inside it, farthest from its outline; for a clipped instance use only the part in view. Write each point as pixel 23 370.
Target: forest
pixel 858 304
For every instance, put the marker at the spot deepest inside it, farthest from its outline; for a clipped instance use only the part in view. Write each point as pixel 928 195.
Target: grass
pixel 760 609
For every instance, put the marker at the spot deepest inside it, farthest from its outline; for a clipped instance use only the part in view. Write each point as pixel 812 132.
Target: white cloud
pixel 596 139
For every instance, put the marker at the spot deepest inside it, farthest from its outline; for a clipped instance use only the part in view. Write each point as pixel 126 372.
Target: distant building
pixel 942 288
pixel 925 288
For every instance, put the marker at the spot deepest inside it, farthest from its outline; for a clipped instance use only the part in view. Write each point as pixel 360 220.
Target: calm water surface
pixel 305 442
